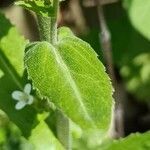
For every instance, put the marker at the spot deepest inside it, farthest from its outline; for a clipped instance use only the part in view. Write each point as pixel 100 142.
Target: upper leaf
pixel 139 14
pixel 12 47
pixel 72 77
pixel 42 7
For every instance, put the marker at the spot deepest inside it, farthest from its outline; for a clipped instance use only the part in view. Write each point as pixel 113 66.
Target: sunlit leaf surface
pixel 72 77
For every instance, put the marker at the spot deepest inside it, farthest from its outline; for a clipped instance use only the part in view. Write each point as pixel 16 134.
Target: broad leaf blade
pixel 72 77
pixel 12 47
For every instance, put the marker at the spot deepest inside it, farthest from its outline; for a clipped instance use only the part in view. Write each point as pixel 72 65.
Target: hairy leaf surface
pixel 12 47
pixel 72 77
pixel 42 7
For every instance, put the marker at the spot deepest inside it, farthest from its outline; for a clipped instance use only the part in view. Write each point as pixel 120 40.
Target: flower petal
pixel 30 101
pixel 17 95
pixel 20 105
pixel 27 88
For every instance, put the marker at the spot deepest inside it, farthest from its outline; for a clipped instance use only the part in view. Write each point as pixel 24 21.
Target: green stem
pixel 48 29
pixel 48 25
pixel 44 28
pixel 63 130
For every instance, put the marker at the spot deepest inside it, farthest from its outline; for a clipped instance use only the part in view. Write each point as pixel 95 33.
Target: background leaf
pixel 42 138
pixel 139 13
pixel 137 76
pixel 12 47
pixel 126 50
pixel 72 77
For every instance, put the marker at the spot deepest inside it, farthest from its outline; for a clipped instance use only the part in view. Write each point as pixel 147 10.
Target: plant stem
pixel 48 29
pixel 48 32
pixel 44 28
pixel 48 25
pixel 63 130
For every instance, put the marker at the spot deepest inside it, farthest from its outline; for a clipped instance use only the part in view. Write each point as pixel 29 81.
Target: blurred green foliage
pixel 138 12
pixel 12 46
pixel 128 45
pixel 137 76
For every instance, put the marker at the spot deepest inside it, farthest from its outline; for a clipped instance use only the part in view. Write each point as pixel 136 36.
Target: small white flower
pixel 24 98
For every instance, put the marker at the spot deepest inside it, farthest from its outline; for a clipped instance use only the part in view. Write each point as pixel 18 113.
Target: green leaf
pixel 12 47
pixel 138 11
pixel 42 138
pixel 42 7
pixel 72 77
pixel 134 141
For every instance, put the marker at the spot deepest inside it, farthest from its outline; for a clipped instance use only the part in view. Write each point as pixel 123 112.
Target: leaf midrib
pixel 64 68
